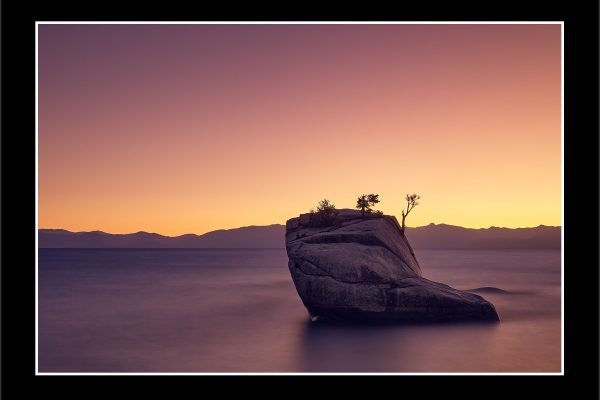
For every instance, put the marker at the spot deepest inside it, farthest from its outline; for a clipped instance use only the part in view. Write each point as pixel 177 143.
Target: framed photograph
pixel 303 197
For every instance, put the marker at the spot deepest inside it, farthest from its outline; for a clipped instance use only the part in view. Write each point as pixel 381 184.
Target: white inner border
pixel 562 79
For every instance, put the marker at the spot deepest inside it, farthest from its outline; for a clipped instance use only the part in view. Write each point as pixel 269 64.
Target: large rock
pixel 363 268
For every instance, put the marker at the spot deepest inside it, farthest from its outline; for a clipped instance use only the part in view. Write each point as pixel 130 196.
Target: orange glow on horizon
pixel 181 129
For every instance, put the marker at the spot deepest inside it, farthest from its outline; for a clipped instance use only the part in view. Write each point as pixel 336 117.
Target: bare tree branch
pixel 411 202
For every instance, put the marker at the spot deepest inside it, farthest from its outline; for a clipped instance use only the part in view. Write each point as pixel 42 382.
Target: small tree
pixel 411 203
pixel 325 215
pixel 366 201
pixel 373 199
pixel 363 204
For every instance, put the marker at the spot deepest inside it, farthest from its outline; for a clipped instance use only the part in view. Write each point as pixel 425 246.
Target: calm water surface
pixel 229 310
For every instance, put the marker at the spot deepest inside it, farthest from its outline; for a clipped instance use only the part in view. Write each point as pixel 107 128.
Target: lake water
pixel 230 310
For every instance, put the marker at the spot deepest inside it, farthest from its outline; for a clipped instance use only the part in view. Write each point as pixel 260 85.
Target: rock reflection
pixel 397 347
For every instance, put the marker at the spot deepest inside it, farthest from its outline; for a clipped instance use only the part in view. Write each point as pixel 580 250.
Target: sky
pixel 181 129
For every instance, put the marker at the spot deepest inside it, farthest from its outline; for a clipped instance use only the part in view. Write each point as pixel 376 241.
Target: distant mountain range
pixel 444 236
pixel 432 236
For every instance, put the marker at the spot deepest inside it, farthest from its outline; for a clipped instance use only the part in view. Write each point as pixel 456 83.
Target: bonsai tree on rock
pixel 363 204
pixel 411 203
pixel 373 199
pixel 366 201
pixel 325 214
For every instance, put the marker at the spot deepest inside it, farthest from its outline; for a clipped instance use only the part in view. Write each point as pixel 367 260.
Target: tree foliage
pixel 373 199
pixel 366 201
pixel 363 204
pixel 325 214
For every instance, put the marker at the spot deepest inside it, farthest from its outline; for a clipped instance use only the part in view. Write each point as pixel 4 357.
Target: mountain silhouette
pixel 442 236
pixel 432 236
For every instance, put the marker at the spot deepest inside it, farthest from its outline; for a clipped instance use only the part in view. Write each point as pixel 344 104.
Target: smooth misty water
pixel 220 310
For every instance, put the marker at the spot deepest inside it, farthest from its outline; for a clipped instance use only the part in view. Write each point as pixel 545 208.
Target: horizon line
pixel 279 224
